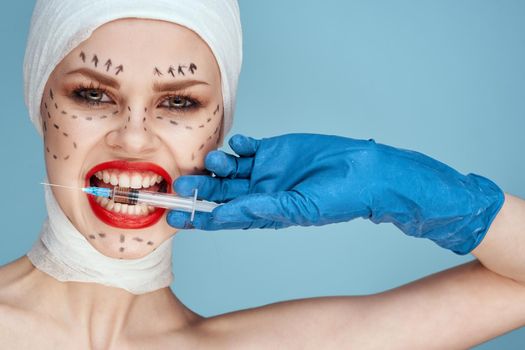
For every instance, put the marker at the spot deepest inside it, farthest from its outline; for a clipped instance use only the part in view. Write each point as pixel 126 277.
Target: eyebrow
pixel 157 86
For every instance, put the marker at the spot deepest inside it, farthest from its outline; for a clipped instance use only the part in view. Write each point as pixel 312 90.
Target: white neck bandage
pixel 57 27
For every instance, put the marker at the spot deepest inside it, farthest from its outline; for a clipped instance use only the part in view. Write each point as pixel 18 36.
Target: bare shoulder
pixel 14 296
pixel 434 307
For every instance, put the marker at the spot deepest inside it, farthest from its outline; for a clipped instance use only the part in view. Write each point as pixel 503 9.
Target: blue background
pixel 443 77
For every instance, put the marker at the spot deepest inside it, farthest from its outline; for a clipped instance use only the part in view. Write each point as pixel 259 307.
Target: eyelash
pixel 81 88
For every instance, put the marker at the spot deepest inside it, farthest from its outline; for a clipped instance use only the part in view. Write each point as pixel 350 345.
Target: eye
pixel 93 95
pixel 179 102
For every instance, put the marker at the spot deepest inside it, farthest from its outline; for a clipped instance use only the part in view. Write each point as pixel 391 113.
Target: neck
pixel 100 313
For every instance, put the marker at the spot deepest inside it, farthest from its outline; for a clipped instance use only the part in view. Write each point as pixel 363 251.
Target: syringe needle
pixel 73 188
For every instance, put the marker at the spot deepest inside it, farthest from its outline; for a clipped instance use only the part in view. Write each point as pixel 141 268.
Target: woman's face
pixel 136 105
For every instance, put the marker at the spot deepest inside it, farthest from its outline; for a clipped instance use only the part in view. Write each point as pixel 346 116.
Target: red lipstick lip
pixel 122 220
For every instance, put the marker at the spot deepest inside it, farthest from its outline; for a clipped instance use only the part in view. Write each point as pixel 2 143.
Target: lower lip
pixel 124 221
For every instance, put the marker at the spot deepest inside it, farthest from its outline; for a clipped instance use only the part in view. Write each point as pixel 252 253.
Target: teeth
pixel 105 176
pixel 114 179
pixel 139 209
pixel 136 180
pixel 117 207
pixel 145 181
pixel 123 179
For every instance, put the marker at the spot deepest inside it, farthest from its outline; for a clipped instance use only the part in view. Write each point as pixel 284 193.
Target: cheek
pixel 192 139
pixel 68 131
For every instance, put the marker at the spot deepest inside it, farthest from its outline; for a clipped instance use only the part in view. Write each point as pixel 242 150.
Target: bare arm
pixel 503 248
pixel 454 309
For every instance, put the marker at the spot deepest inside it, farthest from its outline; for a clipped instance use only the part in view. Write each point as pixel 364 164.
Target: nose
pixel 133 137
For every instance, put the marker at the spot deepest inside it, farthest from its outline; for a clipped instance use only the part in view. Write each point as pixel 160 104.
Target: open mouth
pixel 141 176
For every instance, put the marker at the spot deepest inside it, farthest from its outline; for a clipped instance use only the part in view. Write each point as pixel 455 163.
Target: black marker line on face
pixel 180 70
pixel 55 156
pixel 150 243
pixel 64 112
pixel 129 118
pixel 208 120
pixel 45 105
pixel 89 118
pixel 201 126
pixel 189 127
pixel 138 239
pixel 51 94
pixel 48 115
pixel 108 65
pixel 102 235
pixel 129 108
pixel 156 71
pixel 56 126
pixel 47 149
pixel 95 60
pixel 216 110
pixel 121 249
pixel 171 71
pixel 201 147
pixel 193 68
pixel 145 129
pixel 103 116
pixel 122 238
pixel 45 126
pixel 174 122
pixel 159 117
pixel 74 116
pixel 92 237
pixel 116 112
pixel 66 157
pixel 144 119
pixel 65 134
pixel 75 145
pixel 83 56
pixel 119 69
pixel 56 106
pixel 145 109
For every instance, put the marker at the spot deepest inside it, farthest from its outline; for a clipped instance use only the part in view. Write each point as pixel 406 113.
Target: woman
pixel 124 109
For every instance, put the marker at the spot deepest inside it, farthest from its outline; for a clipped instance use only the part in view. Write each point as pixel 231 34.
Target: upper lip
pixel 127 165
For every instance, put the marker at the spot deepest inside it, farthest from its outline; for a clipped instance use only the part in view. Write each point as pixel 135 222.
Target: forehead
pixel 141 44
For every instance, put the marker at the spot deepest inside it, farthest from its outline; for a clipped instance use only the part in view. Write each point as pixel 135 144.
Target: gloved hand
pixel 308 179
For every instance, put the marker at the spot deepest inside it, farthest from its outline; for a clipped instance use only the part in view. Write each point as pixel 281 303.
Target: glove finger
pixel 211 188
pixel 285 208
pixel 227 165
pixel 203 221
pixel 244 146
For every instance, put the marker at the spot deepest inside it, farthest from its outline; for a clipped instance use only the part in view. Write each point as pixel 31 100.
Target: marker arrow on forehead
pixel 108 65
pixel 83 56
pixel 171 71
pixel 95 60
pixel 193 68
pixel 119 69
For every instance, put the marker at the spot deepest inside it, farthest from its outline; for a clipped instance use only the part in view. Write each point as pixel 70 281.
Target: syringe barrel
pixel 163 200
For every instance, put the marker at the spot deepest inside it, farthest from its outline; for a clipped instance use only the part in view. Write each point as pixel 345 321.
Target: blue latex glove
pixel 308 179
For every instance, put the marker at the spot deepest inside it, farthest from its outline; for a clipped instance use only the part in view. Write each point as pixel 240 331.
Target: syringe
pixel 131 196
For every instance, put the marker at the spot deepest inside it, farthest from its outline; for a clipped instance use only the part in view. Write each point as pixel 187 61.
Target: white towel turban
pixel 58 26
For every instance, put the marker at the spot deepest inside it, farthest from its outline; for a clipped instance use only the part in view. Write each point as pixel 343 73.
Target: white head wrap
pixel 57 27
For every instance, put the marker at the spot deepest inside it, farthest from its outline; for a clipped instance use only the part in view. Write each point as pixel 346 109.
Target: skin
pixel 453 309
